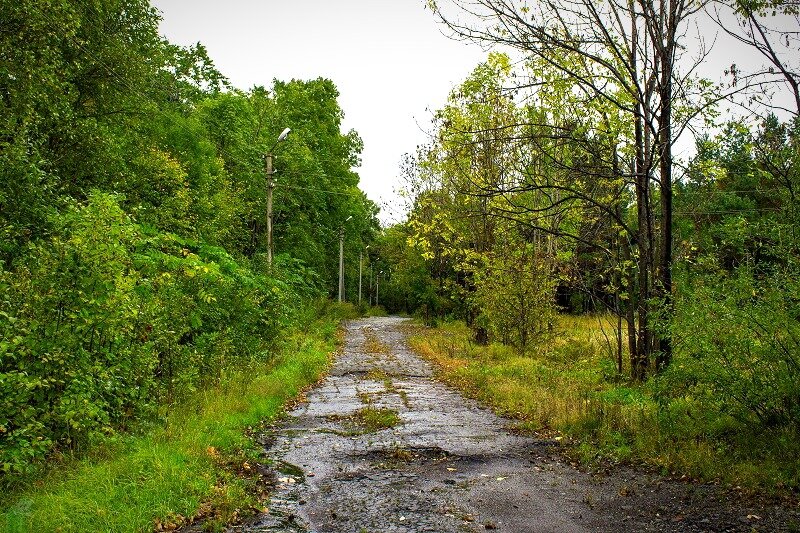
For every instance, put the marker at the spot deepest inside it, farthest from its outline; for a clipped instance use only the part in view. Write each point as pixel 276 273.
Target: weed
pixel 570 386
pixel 368 419
pixel 396 458
pixel 372 344
pixel 404 397
pixel 388 386
pixel 401 454
pixel 365 397
pixel 376 374
pixel 374 419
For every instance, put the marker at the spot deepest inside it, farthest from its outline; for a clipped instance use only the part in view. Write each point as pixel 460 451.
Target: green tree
pixel 618 60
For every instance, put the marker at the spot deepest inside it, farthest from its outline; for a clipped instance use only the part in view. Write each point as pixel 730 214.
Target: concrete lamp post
pixel 341 259
pixel 377 285
pixel 270 187
pixel 360 266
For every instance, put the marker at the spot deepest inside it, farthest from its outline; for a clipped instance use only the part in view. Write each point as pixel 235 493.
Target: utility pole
pixel 377 284
pixel 341 259
pixel 341 263
pixel 270 187
pixel 360 267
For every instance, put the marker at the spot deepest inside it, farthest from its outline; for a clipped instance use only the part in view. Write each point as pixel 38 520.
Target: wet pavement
pixel 446 464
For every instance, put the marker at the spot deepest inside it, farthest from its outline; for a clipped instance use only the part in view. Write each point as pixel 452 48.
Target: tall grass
pixel 181 468
pixel 569 388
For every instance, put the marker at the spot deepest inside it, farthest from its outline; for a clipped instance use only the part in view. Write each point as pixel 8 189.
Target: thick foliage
pixel 741 338
pixel 132 220
pixel 515 295
pixel 106 321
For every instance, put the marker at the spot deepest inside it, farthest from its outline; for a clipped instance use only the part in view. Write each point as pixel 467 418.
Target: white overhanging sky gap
pixel 389 59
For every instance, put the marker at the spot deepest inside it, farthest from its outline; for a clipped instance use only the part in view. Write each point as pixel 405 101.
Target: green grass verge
pixel 569 388
pixel 183 468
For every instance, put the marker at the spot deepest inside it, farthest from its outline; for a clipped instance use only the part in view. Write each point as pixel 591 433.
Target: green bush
pixel 107 320
pixel 739 336
pixel 514 296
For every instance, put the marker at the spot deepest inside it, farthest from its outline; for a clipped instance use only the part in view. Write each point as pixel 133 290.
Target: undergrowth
pixel 374 419
pixel 569 388
pixel 186 468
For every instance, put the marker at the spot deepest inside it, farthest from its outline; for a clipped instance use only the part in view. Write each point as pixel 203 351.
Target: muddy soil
pixel 448 465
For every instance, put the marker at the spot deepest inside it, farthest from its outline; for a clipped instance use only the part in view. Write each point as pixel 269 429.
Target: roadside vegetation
pixel 569 389
pixel 148 321
pixel 549 195
pixel 199 463
pixel 144 322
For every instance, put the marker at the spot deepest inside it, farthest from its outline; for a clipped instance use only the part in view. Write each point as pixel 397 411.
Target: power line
pixel 327 191
pixel 729 212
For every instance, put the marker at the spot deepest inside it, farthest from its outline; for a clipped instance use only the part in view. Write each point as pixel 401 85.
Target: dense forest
pixel 133 244
pixel 160 230
pixel 550 186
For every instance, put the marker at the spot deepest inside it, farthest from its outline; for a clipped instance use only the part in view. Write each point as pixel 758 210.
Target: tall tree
pixel 81 87
pixel 623 55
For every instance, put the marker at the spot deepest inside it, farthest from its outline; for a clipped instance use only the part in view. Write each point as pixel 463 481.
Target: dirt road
pixel 380 446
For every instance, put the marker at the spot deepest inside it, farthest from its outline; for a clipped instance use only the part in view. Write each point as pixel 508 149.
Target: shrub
pixel 107 320
pixel 515 297
pixel 739 336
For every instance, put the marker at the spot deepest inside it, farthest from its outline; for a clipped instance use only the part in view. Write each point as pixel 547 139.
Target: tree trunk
pixel 640 357
pixel 664 356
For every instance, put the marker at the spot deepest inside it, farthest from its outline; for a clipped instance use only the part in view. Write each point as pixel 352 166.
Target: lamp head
pixel 285 133
pixel 348 218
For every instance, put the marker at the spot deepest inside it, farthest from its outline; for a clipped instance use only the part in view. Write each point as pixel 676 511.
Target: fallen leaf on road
pixel 500 479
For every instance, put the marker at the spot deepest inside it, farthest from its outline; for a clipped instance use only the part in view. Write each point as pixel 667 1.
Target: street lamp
pixel 270 187
pixel 377 285
pixel 369 289
pixel 341 259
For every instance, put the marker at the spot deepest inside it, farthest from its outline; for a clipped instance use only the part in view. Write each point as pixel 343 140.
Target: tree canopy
pixel 133 214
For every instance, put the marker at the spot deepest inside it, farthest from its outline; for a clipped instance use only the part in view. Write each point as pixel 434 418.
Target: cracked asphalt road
pixel 450 465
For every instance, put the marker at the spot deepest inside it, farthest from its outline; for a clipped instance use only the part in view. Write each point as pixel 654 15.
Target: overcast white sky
pixel 387 57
